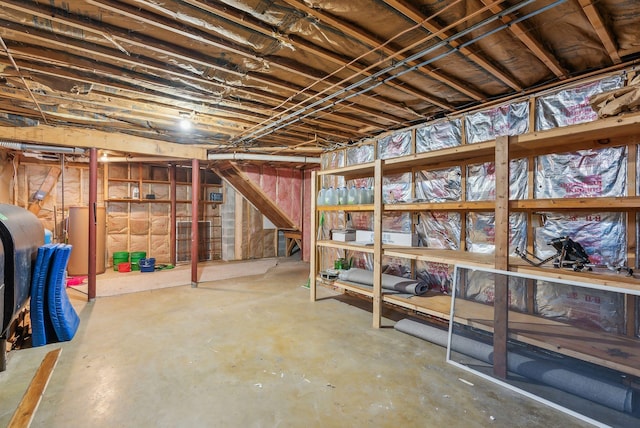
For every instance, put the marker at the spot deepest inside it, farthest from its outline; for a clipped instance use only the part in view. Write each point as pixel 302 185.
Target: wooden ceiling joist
pixel 390 50
pixel 594 17
pixel 524 35
pixel 416 16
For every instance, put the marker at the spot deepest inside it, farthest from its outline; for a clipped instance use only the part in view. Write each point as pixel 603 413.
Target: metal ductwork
pixel 260 157
pixel 41 148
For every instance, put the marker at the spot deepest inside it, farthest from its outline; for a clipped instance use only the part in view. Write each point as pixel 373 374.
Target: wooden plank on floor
pixel 31 399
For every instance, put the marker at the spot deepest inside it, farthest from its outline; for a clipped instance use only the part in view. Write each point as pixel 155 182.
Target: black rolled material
pixel 21 233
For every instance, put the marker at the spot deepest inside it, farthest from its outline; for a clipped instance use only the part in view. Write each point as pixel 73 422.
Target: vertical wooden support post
pixel 632 233
pixel 173 196
pixel 531 169
pixel 463 214
pixel 313 254
pixel 93 223
pixel 239 222
pixel 501 302
pixel 377 244
pixel 195 192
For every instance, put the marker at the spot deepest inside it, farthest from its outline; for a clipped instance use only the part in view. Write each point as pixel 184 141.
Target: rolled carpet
pixel 389 282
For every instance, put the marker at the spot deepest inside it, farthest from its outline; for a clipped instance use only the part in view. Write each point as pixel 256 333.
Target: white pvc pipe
pixel 261 157
pixel 40 148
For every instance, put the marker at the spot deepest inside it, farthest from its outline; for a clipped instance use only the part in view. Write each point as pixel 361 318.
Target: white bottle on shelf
pixel 370 195
pixel 321 196
pixel 342 195
pixel 352 196
pixel 331 197
pixel 362 196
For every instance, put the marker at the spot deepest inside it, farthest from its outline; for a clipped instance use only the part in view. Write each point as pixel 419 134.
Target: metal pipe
pixel 195 193
pixel 41 148
pixel 123 159
pixel 260 157
pixel 93 223
pixel 295 116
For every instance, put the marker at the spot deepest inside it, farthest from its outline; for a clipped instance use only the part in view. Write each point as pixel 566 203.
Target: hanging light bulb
pixel 185 124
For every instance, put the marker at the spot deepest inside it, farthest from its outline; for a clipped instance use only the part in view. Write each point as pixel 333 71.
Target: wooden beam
pixel 23 415
pixel 377 244
pixel 181 54
pixel 254 194
pixel 522 33
pixel 362 35
pixel 87 138
pixel 601 29
pixel 416 16
pixel 501 241
pixel 245 20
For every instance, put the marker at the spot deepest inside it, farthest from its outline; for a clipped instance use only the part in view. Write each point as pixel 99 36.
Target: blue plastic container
pixel 147 265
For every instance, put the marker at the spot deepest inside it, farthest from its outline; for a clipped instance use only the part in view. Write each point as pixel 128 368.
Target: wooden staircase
pixel 254 194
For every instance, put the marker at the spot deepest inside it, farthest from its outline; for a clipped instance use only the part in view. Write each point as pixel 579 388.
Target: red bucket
pixel 124 267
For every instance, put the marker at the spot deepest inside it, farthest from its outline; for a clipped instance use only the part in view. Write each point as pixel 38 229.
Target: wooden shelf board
pixel 622 129
pixel 459 154
pixel 450 257
pixel 346 208
pixel 352 171
pixel 434 304
pixel 609 350
pixel 596 204
pixel 345 246
pixel 124 180
pixel 442 206
pixel 138 201
pixel 349 286
pixel 604 278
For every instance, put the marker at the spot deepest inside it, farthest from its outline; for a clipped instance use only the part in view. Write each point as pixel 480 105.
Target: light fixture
pixel 185 124
pixel 104 157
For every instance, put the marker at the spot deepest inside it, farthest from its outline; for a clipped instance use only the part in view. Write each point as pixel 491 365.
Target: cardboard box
pixel 343 235
pixel 402 239
pixel 391 238
pixel 364 236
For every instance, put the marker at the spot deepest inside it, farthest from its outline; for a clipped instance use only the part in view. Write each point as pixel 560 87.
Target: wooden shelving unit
pixel 154 186
pixel 611 132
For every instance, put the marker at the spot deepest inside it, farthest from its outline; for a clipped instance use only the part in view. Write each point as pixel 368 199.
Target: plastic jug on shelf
pixel 352 196
pixel 331 196
pixel 342 195
pixel 321 196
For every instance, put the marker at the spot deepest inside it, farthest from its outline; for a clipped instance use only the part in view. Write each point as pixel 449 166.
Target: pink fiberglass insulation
pixel 269 182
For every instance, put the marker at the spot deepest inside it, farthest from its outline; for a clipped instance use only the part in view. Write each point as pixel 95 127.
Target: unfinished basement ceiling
pixel 291 76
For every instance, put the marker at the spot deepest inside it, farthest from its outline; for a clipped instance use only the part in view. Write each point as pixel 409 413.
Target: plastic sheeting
pixel 571 106
pixel 396 188
pixel 583 174
pixel 395 145
pixel 439 135
pixel 439 185
pixel 480 287
pixel 603 235
pixel 481 232
pixel 585 307
pixel 396 222
pixel 360 154
pixel 509 119
pixel 439 229
pixel 481 180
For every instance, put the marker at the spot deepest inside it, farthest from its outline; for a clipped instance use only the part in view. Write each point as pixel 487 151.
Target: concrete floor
pixel 255 352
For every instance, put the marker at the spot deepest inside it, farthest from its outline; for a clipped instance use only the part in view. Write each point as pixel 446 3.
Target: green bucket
pixel 135 259
pixel 120 257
